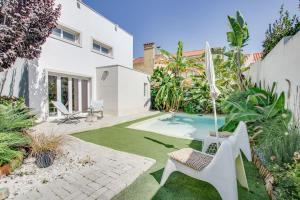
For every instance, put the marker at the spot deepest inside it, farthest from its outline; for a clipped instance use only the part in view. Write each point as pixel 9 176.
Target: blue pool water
pixel 180 125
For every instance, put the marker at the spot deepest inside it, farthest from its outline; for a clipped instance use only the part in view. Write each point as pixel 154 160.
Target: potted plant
pixel 45 149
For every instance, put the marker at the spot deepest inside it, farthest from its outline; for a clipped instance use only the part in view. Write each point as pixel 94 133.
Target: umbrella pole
pixel 216 121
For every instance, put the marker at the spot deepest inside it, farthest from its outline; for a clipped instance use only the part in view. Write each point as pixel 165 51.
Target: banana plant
pixel 237 38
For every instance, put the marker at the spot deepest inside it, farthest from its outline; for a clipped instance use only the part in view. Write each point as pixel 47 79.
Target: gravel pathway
pixel 84 171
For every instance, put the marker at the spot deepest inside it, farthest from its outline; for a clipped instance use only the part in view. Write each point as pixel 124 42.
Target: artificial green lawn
pixel 156 146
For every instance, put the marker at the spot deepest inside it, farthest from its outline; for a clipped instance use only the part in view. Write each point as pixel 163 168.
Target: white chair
pixel 97 106
pixel 65 112
pixel 244 144
pixel 221 170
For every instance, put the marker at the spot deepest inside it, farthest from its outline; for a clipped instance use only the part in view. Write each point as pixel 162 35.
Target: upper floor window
pixel 101 48
pixel 66 34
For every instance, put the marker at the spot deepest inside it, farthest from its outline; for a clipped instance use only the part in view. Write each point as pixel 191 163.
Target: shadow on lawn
pixel 170 146
pixel 180 186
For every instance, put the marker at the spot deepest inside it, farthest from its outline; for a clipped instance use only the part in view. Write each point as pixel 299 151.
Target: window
pixel 69 36
pixel 98 47
pixel 66 34
pixel 52 94
pixel 56 32
pixel 145 89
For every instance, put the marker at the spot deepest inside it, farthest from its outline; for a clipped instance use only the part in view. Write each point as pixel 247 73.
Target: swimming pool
pixel 180 125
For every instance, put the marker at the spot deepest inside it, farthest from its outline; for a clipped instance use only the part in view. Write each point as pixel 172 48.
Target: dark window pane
pixel 96 47
pixel 56 32
pixel 52 94
pixel 69 36
pixel 104 50
pixel 65 92
pixel 75 91
pixel 84 92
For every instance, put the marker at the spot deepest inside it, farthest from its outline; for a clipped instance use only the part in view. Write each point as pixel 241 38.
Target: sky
pixel 165 22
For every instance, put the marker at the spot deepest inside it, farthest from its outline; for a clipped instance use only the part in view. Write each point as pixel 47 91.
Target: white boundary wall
pixel 280 65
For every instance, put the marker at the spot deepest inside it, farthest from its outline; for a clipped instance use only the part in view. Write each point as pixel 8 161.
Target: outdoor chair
pixel 97 107
pixel 244 144
pixel 68 116
pixel 221 170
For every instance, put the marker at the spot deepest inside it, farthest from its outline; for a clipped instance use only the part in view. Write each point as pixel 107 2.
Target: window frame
pixel 102 45
pixel 77 35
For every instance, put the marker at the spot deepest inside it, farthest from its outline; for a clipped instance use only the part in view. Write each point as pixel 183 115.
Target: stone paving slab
pixel 52 127
pixel 112 172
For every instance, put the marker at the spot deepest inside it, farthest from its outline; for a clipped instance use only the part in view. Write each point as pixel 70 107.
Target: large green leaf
pixel 276 107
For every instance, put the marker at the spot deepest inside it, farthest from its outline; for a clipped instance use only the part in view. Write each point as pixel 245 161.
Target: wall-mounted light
pixel 104 75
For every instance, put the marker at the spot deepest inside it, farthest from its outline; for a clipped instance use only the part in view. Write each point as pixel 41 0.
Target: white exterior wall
pixel 122 90
pixel 131 91
pixel 107 85
pixel 282 63
pixel 15 80
pixel 60 57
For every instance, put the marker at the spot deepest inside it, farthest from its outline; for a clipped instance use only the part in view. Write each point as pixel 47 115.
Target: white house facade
pixel 87 57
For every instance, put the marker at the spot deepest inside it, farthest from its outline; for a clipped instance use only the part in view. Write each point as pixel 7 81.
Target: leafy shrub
pixel 14 140
pixel 287 181
pixel 294 174
pixel 284 26
pixel 197 98
pixel 182 84
pixel 10 144
pixel 255 106
pixel 7 154
pixel 281 149
pixel 6 100
pixel 15 117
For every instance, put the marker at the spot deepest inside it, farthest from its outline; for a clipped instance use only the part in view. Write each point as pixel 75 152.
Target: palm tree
pixel 237 38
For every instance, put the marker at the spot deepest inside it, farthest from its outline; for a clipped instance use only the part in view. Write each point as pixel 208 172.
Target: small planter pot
pixel 44 159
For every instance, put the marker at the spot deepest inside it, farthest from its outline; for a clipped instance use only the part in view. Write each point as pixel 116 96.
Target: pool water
pixel 180 125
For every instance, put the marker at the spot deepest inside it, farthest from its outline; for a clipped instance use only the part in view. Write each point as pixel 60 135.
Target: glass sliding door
pixel 52 94
pixel 64 91
pixel 75 95
pixel 84 95
pixel 73 92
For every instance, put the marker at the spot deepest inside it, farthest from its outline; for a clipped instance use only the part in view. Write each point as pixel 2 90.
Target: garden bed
pixel 29 176
pixel 266 175
pixel 11 166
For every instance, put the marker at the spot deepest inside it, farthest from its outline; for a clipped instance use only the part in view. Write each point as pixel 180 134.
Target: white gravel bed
pixel 29 176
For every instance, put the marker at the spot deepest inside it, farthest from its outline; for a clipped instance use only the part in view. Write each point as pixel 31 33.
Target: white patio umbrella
pixel 214 91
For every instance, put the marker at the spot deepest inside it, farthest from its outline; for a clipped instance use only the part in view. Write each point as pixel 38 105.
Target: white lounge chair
pixel 221 170
pixel 97 107
pixel 65 112
pixel 244 144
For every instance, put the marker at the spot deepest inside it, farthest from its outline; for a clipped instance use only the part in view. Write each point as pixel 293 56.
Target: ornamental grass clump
pixel 45 149
pixel 281 150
